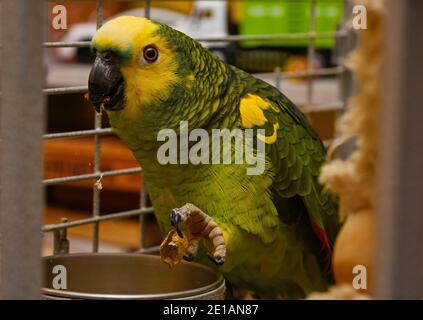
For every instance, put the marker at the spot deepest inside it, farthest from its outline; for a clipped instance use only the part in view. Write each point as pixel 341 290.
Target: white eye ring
pixel 149 55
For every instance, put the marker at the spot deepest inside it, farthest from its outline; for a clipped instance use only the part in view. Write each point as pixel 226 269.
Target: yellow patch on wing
pixel 251 109
pixel 270 139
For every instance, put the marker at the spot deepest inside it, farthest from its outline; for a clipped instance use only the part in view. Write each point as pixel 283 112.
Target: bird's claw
pixel 218 259
pixel 199 225
pixel 175 219
pixel 189 257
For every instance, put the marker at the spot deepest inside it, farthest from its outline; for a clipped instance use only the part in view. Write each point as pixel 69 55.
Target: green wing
pixel 296 154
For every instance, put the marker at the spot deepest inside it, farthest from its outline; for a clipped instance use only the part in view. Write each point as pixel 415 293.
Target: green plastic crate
pixel 289 16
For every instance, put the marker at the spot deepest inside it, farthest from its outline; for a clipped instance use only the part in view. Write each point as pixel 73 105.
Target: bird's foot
pixel 200 225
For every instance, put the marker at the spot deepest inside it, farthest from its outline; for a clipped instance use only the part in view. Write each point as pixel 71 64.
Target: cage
pixel 23 121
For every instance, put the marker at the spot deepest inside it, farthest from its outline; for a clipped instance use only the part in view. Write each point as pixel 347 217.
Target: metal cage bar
pixel 230 38
pixel 311 52
pixel 22 123
pixel 97 148
pixel 96 219
pixel 95 175
pixel 143 193
pixel 284 75
pixel 399 257
pixel 97 131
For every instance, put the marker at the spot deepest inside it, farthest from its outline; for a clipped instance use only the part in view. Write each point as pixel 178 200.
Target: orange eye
pixel 151 54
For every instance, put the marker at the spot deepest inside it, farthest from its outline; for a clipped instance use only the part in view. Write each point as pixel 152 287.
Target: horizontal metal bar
pixel 104 131
pixel 150 250
pixel 229 38
pixel 270 37
pixel 316 72
pixel 61 44
pixel 76 134
pixel 65 90
pixel 285 75
pixel 98 175
pixel 335 106
pixel 81 222
pixel 307 73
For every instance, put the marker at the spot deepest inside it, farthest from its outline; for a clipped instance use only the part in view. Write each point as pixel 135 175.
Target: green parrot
pixel 272 232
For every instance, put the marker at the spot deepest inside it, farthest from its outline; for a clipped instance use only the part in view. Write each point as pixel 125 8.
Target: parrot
pixel 273 232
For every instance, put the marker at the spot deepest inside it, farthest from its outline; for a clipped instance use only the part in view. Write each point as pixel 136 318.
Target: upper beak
pixel 105 84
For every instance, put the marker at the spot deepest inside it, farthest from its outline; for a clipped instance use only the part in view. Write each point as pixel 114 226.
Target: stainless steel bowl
pixel 130 276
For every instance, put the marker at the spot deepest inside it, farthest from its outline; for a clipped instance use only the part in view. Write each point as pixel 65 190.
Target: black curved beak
pixel 105 85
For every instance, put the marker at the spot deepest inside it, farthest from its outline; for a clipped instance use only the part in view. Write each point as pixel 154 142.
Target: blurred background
pixel 309 71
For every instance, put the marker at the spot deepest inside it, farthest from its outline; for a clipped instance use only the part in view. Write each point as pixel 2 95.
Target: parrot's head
pixel 133 57
pixel 139 64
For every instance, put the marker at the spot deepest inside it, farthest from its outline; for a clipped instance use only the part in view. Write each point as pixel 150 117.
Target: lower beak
pixel 105 85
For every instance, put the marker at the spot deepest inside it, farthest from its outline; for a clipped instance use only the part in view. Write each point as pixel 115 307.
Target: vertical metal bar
pixel 147 9
pixel 348 42
pixel 21 128
pixel 143 193
pixel 346 84
pixel 97 151
pixel 311 52
pixel 344 79
pixel 278 78
pixel 399 254
pixel 143 204
pixel 61 242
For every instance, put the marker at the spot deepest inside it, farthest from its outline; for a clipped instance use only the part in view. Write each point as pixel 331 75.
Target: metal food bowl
pixel 129 276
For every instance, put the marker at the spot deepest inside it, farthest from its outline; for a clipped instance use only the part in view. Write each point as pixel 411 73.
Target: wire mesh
pixel 97 132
